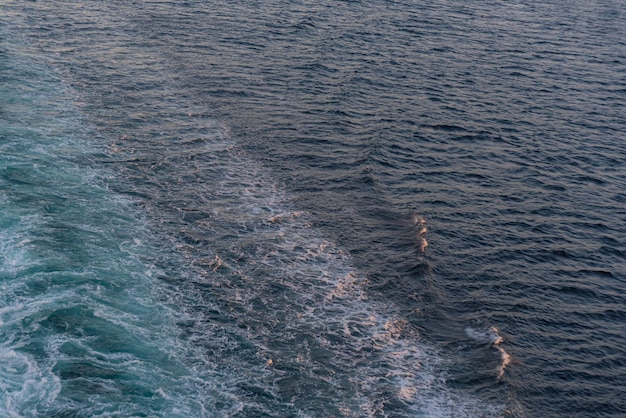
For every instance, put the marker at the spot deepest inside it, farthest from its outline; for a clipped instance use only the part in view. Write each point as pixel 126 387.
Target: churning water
pixel 344 208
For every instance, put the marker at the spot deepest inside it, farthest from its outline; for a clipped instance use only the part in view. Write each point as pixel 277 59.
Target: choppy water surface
pixel 363 208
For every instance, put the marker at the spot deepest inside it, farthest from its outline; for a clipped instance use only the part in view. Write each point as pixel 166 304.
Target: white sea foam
pixel 494 339
pixel 419 223
pixel 25 387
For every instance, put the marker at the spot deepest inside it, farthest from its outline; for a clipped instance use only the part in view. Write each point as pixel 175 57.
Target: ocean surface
pixel 362 208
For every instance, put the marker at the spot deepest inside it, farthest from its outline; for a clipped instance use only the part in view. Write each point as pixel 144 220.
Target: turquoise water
pixel 85 329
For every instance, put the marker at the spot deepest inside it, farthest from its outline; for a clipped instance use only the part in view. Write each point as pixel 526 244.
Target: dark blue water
pixel 351 208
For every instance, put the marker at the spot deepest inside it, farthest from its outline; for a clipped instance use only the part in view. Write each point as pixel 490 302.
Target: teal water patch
pixel 84 328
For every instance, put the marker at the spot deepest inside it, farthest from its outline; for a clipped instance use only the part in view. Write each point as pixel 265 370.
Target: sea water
pixel 98 318
pixel 362 208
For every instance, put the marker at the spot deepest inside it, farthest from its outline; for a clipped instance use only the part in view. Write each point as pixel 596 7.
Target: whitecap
pixel 492 337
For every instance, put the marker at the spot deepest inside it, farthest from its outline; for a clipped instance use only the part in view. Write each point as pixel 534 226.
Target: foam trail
pixel 226 301
pixel 298 296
